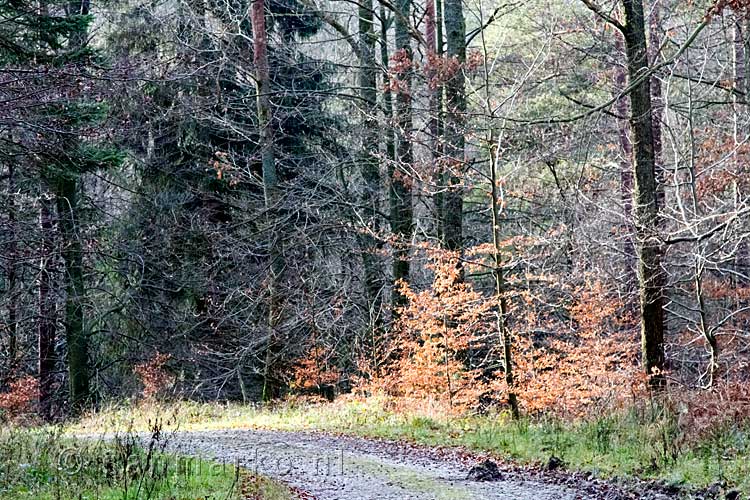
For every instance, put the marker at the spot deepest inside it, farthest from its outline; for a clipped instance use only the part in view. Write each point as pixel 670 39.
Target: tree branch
pixel 599 12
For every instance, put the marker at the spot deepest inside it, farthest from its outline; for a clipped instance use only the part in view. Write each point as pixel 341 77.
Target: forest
pixel 518 211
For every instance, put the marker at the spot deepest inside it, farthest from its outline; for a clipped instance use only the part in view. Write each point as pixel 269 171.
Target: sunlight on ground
pixel 644 442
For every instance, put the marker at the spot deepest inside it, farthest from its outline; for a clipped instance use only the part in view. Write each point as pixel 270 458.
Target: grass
pixel 262 488
pixel 646 442
pixel 38 464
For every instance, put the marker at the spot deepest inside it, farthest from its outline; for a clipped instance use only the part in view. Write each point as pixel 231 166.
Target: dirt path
pixel 346 468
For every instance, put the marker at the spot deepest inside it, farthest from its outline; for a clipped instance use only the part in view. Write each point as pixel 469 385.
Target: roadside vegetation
pixel 647 441
pixel 48 465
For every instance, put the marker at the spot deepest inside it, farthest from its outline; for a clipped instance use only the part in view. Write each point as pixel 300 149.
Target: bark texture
pixel 650 273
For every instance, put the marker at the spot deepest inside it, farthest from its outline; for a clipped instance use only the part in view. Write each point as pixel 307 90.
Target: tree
pixel 53 39
pixel 400 171
pixel 646 186
pixel 75 158
pixel 455 126
pixel 370 166
pixel 650 273
pixel 194 248
pixel 496 206
pixel 46 327
pixel 270 180
pixel 11 272
pixel 626 152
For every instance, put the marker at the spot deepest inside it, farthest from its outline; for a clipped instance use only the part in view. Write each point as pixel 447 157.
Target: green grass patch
pixel 48 465
pixel 647 442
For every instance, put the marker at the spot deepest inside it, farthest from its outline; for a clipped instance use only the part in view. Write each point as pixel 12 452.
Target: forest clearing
pixel 467 248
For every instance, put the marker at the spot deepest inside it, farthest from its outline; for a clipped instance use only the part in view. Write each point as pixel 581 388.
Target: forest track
pixel 329 467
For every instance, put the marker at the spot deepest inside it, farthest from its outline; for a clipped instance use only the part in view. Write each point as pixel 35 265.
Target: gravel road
pixel 346 468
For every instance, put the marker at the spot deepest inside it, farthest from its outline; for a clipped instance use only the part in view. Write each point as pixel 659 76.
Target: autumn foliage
pixel 590 364
pixel 315 370
pixel 568 360
pixel 154 376
pixel 437 335
pixel 20 398
pixel 720 6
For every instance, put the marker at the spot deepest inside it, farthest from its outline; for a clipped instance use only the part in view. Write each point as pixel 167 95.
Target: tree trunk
pixel 390 143
pixel 626 164
pixel 744 31
pixel 650 274
pixel 66 192
pixel 739 72
pixel 12 250
pixel 370 168
pixel 46 328
pixel 430 27
pixel 708 333
pixel 400 193
pixel 434 89
pixel 499 274
pixel 67 185
pixel 438 127
pixel 740 52
pixel 657 101
pixel 270 188
pixel 455 141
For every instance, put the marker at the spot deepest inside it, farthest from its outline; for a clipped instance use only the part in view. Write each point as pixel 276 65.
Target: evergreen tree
pixel 199 229
pixel 56 115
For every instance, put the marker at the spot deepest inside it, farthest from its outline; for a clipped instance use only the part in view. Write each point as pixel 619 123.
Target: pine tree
pixel 201 227
pixel 57 142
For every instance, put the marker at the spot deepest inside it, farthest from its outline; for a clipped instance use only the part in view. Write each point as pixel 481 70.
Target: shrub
pixel 154 376
pixel 19 400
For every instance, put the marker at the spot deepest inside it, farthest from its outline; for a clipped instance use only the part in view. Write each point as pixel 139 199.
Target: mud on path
pixel 347 468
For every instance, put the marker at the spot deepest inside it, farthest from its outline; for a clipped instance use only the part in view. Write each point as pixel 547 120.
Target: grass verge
pixel 47 465
pixel 648 442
